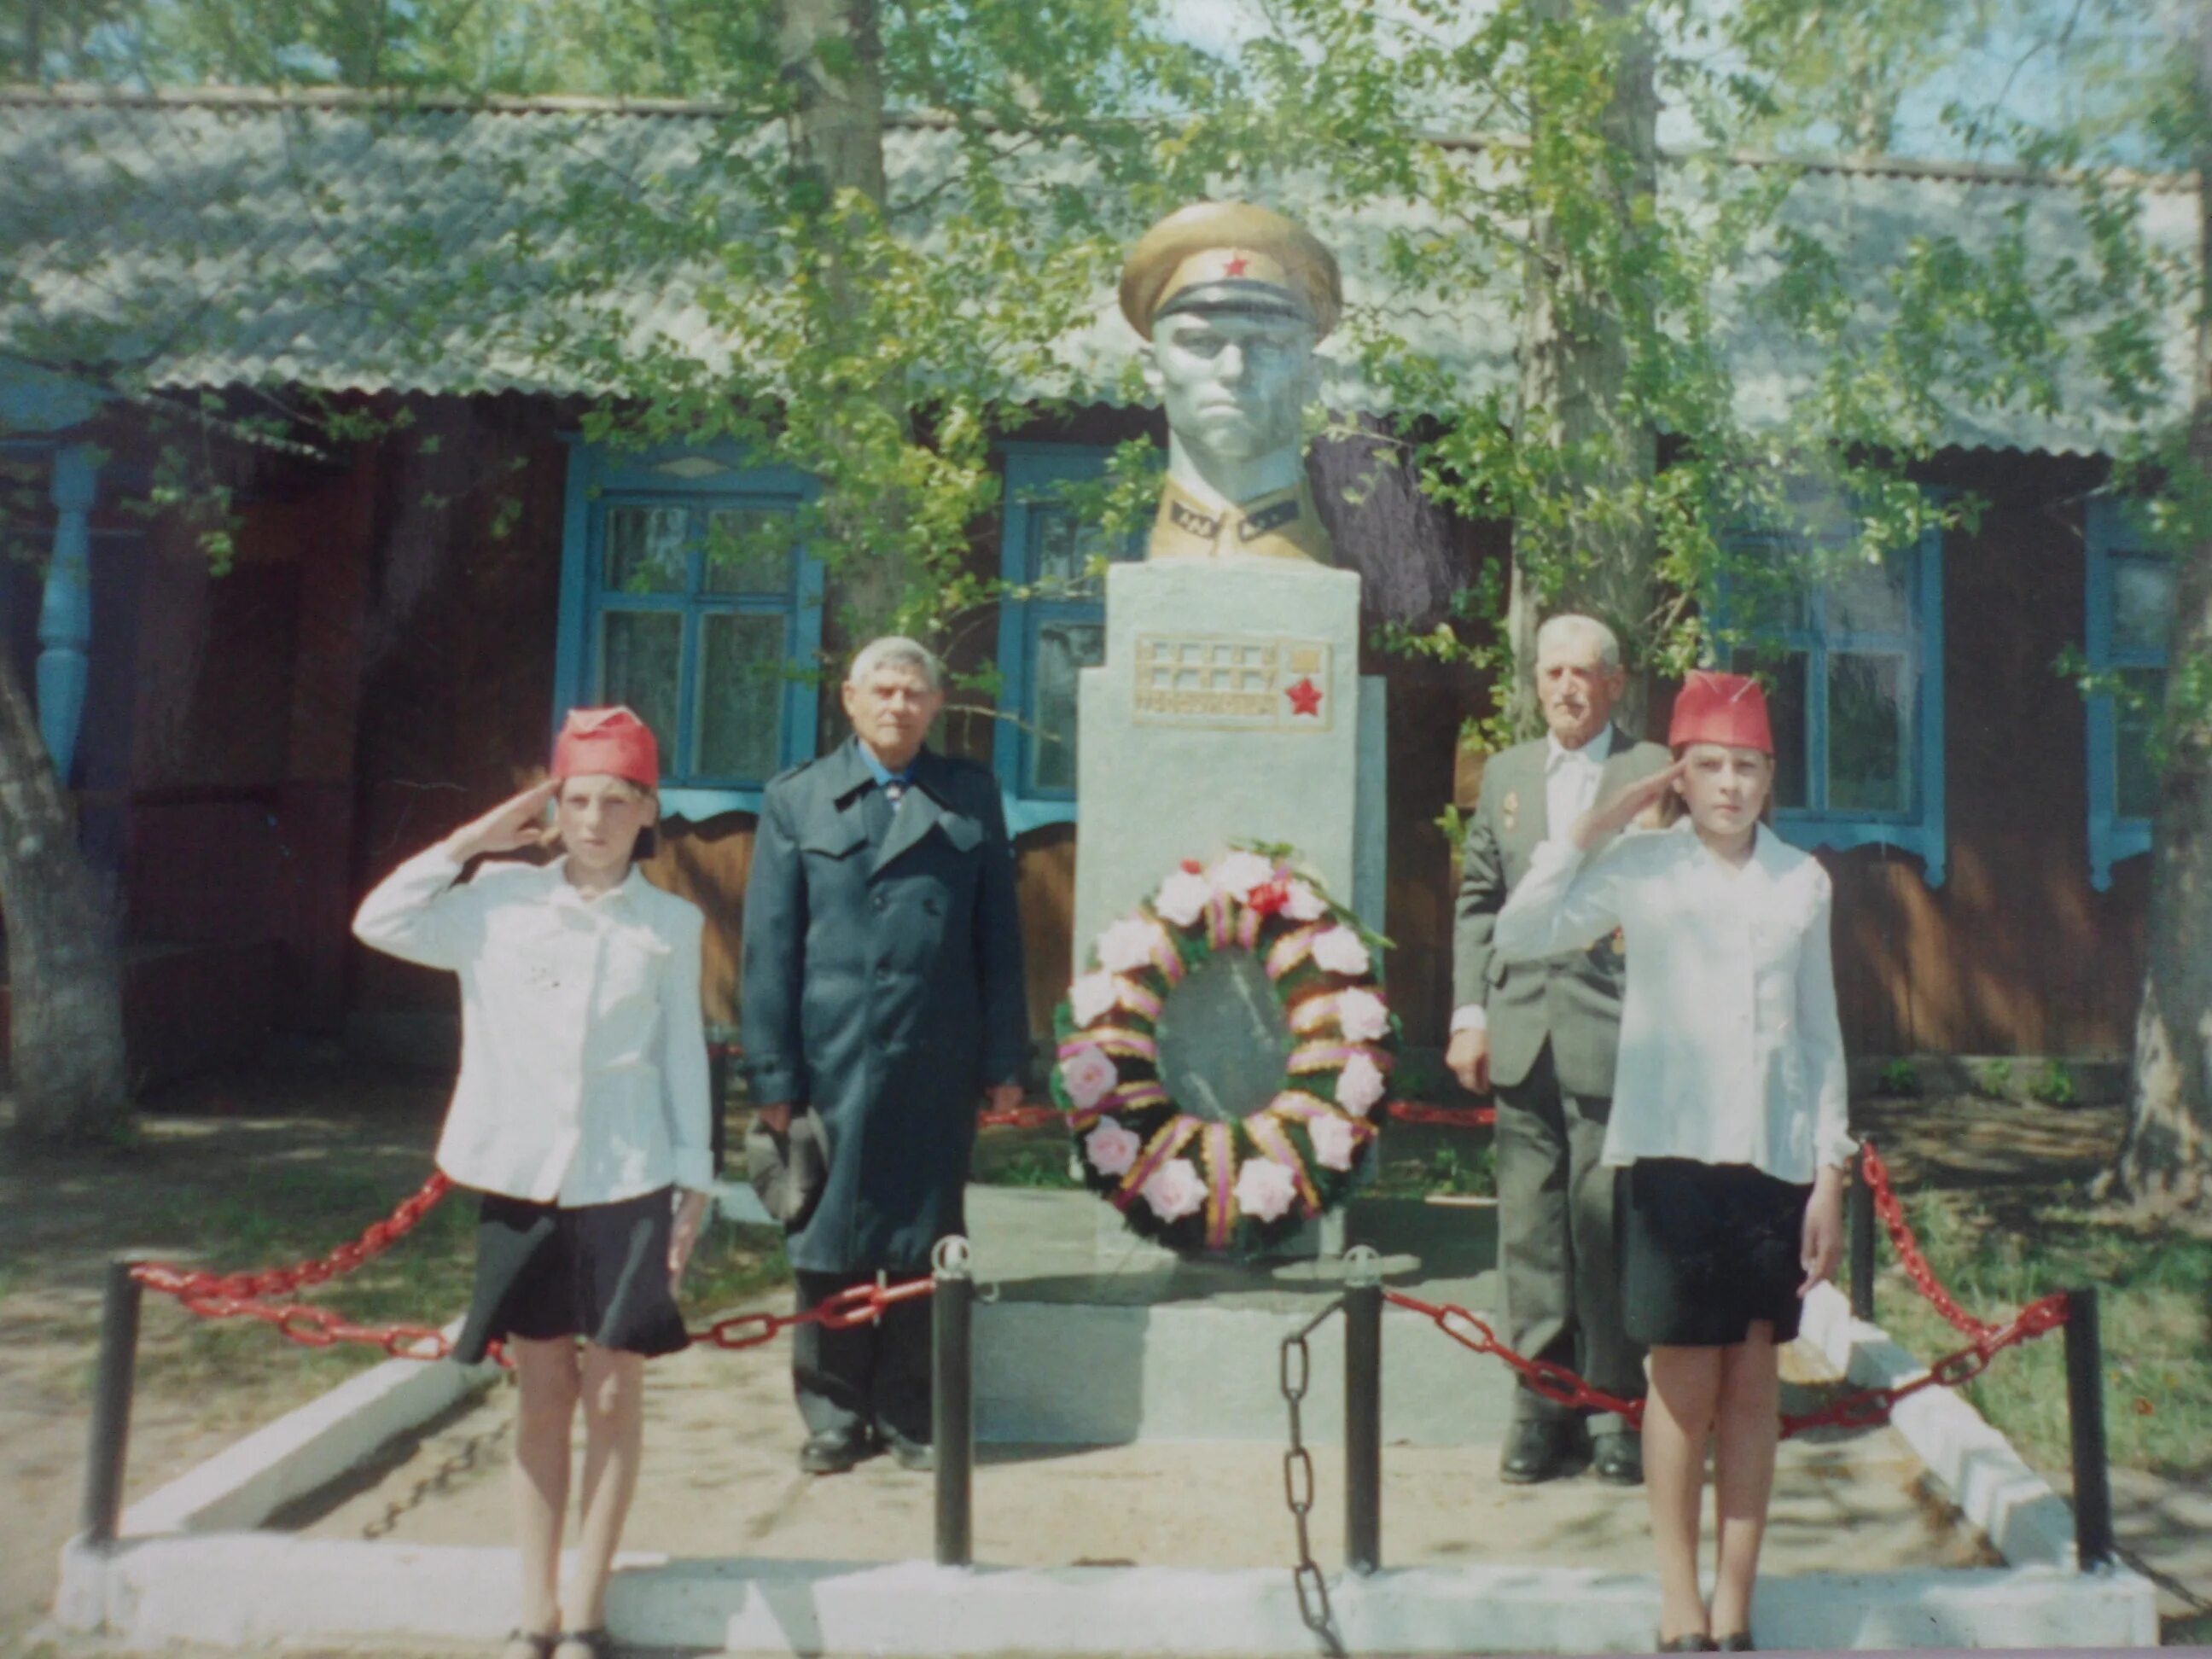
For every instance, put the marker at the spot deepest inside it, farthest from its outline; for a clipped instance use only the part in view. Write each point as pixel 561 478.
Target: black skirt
pixel 600 1272
pixel 1706 1248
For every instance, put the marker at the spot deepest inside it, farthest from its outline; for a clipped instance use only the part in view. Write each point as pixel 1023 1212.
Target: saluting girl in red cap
pixel 1728 1114
pixel 580 1110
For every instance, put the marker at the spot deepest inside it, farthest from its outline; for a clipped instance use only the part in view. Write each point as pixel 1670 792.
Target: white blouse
pixel 583 1070
pixel 1730 1049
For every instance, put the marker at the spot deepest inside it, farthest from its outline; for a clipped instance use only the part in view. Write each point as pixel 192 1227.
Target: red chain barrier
pixel 1876 1173
pixel 1554 1382
pixel 182 1282
pixel 1867 1408
pixel 1449 1117
pixel 862 1305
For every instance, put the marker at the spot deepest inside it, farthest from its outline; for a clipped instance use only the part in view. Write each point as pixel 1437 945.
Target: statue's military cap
pixel 1231 257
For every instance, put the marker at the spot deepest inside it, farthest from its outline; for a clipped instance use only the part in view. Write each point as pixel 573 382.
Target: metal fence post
pixel 109 1439
pixel 2085 1413
pixel 953 1401
pixel 1363 1410
pixel 1862 1241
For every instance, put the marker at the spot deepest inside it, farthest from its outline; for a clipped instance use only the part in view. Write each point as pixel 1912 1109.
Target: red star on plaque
pixel 1305 698
pixel 1236 265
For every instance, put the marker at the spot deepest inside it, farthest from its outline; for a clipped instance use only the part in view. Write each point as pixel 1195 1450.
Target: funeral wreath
pixel 1196 1184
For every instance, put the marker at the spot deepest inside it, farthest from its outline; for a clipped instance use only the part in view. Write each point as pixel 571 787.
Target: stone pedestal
pixel 1230 709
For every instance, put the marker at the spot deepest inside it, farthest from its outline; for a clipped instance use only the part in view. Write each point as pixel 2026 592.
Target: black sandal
pixel 1694 1641
pixel 541 1643
pixel 595 1641
pixel 1736 1641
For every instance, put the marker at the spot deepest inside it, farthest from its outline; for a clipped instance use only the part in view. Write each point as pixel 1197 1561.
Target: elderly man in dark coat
pixel 882 989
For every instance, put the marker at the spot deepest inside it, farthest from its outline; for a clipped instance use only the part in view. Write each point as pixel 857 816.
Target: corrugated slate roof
pixel 229 238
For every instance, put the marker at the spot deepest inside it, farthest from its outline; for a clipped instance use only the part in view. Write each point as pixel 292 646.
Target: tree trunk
pixel 2166 1161
pixel 64 976
pixel 1576 331
pixel 832 56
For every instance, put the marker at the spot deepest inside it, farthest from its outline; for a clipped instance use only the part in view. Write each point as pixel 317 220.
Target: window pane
pixel 1766 587
pixel 640 662
pixel 1870 599
pixel 2142 603
pixel 1061 547
pixel 2135 718
pixel 1062 648
pixel 645 550
pixel 1783 677
pixel 1869 713
pixel 741 692
pixel 749 549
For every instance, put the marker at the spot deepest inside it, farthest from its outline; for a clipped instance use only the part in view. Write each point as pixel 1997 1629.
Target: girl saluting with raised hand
pixel 1728 1114
pixel 580 1111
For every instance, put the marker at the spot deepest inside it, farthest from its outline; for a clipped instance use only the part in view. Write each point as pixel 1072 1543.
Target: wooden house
pixel 407 616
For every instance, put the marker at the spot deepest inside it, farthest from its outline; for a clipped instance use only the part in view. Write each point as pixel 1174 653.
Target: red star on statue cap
pixel 1305 698
pixel 1236 265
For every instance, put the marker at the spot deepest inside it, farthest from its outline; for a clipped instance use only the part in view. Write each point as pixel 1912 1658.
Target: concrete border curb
pixel 2028 1522
pixel 306 1449
pixel 248 1590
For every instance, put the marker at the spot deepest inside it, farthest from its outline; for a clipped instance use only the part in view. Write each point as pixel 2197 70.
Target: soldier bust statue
pixel 1231 300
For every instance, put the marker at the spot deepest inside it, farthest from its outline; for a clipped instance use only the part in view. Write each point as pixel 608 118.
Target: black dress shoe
pixel 908 1452
pixel 834 1451
pixel 1736 1641
pixel 1696 1642
pixel 1537 1449
pixel 1618 1459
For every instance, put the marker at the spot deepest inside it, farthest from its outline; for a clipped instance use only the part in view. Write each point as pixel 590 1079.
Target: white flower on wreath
pixel 1090 1075
pixel 1128 945
pixel 1092 997
pixel 1362 1017
pixel 1238 873
pixel 1265 1188
pixel 1304 904
pixel 1360 1086
pixel 1333 1141
pixel 1341 951
pixel 1182 896
pixel 1111 1149
pixel 1175 1190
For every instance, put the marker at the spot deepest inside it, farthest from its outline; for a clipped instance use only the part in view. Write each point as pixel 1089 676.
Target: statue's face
pixel 1233 386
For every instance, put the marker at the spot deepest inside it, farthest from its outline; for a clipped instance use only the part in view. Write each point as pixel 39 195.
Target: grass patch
pixel 1457 1171
pixel 1042 1170
pixel 1998 1250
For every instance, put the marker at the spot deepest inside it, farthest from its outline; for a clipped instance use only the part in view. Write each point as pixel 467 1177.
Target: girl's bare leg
pixel 1743 1474
pixel 613 1395
pixel 547 1376
pixel 1678 1419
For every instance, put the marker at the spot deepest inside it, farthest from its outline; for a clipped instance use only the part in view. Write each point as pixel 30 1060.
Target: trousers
pixel 872 1376
pixel 1557 1253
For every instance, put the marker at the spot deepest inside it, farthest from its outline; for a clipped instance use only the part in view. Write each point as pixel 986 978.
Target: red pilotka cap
pixel 1724 708
pixel 612 741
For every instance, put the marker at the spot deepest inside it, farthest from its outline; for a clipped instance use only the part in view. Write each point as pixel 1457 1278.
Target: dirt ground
pixel 61 1218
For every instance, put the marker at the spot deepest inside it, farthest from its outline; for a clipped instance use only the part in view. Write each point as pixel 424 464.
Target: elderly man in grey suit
pixel 882 987
pixel 1544 1035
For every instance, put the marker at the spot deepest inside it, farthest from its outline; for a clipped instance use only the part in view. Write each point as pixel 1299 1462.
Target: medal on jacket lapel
pixel 1512 809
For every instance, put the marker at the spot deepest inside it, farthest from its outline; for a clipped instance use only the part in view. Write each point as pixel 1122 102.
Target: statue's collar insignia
pixel 1184 516
pixel 1273 516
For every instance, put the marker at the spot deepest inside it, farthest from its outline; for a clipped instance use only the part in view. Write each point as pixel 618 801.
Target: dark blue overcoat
pixel 883 982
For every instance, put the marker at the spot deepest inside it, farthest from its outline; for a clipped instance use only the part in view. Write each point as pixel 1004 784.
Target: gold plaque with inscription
pixel 1232 682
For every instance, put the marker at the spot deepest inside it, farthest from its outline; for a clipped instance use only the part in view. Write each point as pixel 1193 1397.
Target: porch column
pixel 65 613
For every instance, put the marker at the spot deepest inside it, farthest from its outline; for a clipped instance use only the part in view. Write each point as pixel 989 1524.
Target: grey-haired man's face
pixel 1234 385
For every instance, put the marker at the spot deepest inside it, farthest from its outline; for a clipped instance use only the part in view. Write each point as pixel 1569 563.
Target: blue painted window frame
pixel 1921 830
pixel 1032 471
pixel 2109 536
pixel 602 475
